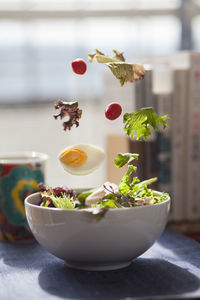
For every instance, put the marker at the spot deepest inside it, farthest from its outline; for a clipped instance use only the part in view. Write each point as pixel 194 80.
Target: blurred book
pixel 144 97
pixel 164 147
pixel 179 137
pixel 193 138
pixel 185 138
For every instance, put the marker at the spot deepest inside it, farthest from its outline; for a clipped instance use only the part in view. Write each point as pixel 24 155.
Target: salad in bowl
pixel 99 229
pixel 130 192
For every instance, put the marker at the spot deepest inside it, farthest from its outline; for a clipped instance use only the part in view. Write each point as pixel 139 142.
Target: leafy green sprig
pixel 140 123
pixel 131 192
pixel 131 187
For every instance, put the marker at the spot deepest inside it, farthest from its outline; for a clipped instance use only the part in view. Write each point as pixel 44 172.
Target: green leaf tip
pixel 124 158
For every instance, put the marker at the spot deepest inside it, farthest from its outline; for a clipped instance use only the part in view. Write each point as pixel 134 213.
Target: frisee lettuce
pixel 132 187
pixel 138 122
pixel 64 202
pixel 126 184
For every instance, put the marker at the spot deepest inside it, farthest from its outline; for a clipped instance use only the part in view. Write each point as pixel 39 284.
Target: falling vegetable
pixel 79 66
pixel 71 110
pixel 113 111
pixel 124 72
pixel 139 121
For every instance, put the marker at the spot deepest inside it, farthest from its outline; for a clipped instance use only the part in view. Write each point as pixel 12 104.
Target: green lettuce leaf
pixel 80 201
pixel 129 185
pixel 83 196
pixel 124 158
pixel 140 189
pixel 138 122
pixel 159 198
pixel 126 183
pixel 110 203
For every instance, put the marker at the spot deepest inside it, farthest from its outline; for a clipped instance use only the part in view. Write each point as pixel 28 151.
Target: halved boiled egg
pixel 81 159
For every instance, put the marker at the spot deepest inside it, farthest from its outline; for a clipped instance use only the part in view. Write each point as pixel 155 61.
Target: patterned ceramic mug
pixel 20 174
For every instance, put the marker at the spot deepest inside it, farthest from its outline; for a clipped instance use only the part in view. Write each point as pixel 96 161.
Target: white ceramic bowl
pixel 85 243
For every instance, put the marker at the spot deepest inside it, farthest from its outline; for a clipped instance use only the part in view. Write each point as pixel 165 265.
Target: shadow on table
pixel 24 255
pixel 144 277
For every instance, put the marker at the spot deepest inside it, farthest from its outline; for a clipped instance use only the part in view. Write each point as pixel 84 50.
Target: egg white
pixel 95 157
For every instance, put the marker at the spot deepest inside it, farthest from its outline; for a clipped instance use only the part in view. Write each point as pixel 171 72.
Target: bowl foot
pixel 99 266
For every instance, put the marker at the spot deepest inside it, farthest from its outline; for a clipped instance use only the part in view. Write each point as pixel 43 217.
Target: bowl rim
pixel 27 203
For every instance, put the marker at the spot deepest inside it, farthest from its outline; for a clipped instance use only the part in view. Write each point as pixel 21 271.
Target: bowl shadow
pixel 143 278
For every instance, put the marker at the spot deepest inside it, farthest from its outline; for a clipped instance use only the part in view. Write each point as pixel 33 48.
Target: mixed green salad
pixel 129 193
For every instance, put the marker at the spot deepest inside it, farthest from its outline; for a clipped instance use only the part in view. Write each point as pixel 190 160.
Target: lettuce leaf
pixel 110 203
pixel 70 110
pixel 138 122
pixel 126 72
pixel 140 189
pixel 100 57
pixel 62 202
pixel 126 184
pixel 83 196
pixel 123 71
pixel 124 158
pixel 131 186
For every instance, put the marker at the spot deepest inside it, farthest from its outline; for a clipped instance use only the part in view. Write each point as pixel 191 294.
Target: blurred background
pixel 38 41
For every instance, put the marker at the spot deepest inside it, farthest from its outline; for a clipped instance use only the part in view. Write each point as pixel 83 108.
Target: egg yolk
pixel 73 157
